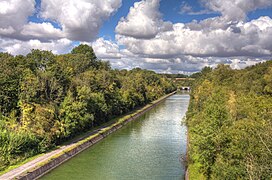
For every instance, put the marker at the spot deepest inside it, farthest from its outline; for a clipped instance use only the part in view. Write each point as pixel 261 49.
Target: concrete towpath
pixel 46 157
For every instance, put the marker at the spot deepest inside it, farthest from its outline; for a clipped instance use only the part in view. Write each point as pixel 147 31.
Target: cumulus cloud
pixel 235 9
pixel 252 40
pixel 242 63
pixel 210 37
pixel 185 8
pixel 143 21
pixel 105 49
pixel 191 46
pixel 171 65
pixel 42 31
pixel 13 15
pixel 79 19
pixel 17 47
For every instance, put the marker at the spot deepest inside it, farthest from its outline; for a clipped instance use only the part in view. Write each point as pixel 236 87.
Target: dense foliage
pixel 183 82
pixel 46 98
pixel 175 75
pixel 230 123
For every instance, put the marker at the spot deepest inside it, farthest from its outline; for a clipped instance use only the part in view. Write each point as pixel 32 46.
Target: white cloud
pixel 143 21
pixel 191 46
pixel 43 31
pixel 16 47
pixel 243 62
pixel 236 9
pixel 14 14
pixel 79 19
pixel 241 39
pixel 173 65
pixel 185 8
pixel 105 49
pixel 7 31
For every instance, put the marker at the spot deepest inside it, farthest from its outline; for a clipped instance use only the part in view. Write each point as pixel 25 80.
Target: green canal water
pixel 147 148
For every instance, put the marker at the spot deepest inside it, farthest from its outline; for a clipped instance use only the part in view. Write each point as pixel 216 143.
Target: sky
pixel 166 36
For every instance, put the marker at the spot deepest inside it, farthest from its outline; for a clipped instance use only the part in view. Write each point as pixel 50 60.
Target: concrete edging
pixel 69 152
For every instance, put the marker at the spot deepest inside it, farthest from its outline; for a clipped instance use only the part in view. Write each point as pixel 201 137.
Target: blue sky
pixel 170 10
pixel 37 19
pixel 169 36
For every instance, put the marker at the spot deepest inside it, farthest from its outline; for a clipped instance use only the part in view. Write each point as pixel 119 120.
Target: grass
pixel 20 164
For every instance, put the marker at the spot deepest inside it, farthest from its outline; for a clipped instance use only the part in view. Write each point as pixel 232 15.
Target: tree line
pixel 230 123
pixel 46 99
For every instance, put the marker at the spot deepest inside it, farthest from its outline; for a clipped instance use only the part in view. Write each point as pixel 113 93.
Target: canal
pixel 147 148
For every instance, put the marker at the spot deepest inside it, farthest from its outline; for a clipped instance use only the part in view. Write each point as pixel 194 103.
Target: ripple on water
pixel 148 148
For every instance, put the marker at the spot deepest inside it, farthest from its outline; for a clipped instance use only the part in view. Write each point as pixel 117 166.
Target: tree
pixel 86 50
pixel 229 121
pixel 46 98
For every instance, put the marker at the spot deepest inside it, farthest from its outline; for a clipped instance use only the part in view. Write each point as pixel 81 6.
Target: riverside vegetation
pixel 46 99
pixel 230 123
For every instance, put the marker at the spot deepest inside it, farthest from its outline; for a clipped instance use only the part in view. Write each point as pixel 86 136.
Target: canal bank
pixel 149 148
pixel 42 165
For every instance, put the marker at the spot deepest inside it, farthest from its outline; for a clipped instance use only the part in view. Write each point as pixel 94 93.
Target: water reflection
pixel 148 148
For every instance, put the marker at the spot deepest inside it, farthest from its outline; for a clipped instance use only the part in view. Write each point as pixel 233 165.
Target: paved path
pixel 33 163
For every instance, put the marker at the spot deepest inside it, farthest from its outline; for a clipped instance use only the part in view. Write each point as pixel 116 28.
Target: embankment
pixel 42 167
